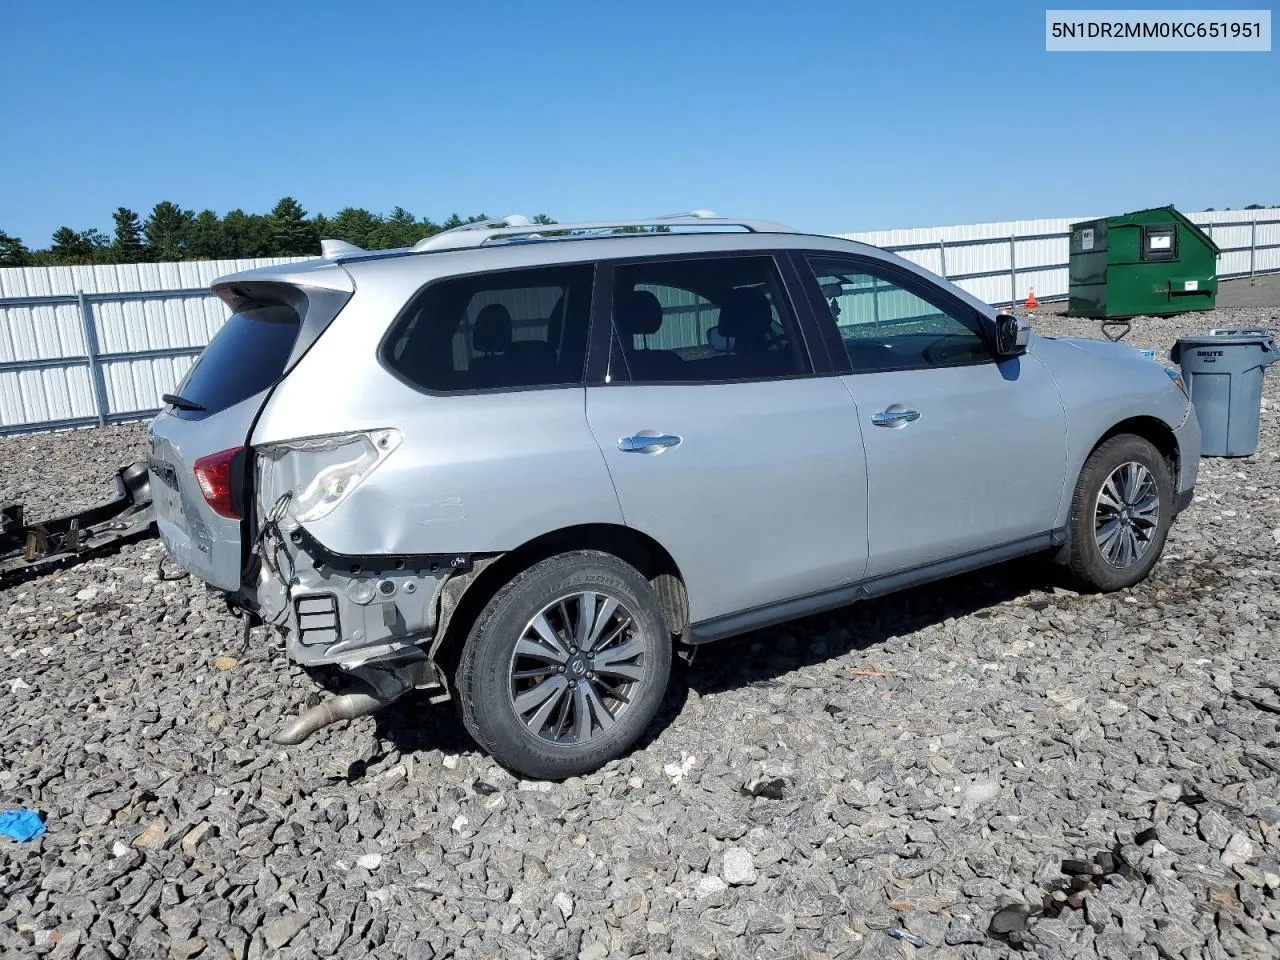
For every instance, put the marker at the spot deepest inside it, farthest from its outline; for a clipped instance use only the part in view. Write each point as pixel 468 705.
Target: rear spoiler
pixel 315 304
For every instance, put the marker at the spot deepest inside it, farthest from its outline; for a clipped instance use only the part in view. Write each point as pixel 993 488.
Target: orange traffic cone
pixel 1032 302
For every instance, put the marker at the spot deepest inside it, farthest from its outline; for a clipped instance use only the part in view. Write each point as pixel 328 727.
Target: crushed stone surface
pixel 848 785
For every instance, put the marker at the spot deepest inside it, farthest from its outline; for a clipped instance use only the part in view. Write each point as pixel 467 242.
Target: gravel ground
pixel 916 763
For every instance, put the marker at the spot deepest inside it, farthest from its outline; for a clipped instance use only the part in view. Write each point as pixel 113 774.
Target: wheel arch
pixel 1093 571
pixel 465 596
pixel 1152 429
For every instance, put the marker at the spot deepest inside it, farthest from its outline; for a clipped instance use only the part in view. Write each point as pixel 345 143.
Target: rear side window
pixel 705 320
pixel 245 357
pixel 495 331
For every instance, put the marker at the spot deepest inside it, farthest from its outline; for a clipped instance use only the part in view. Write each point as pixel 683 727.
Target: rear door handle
pixel 894 418
pixel 648 441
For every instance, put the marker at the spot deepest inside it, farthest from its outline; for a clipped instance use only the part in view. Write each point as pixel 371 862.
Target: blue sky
pixel 831 116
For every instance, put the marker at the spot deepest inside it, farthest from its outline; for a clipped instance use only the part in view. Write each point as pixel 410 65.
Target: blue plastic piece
pixel 21 825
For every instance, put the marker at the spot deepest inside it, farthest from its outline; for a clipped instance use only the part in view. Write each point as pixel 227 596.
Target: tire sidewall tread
pixel 1086 560
pixel 482 675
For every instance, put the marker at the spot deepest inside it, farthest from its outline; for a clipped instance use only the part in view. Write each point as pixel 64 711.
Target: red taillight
pixel 213 473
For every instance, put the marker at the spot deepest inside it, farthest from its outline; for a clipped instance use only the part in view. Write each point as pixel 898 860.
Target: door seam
pixel 866 472
pixel 604 461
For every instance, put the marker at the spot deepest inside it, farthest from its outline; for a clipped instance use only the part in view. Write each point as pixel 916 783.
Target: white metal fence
pixel 85 346
pixel 1001 263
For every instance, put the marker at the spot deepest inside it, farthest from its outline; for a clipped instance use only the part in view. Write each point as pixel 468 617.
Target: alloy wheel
pixel 1126 515
pixel 576 667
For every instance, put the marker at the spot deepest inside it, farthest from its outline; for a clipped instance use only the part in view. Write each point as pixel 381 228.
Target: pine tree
pixel 247 235
pixel 66 246
pixel 292 235
pixel 426 228
pixel 13 252
pixel 101 249
pixel 71 247
pixel 208 238
pixel 168 232
pixel 354 225
pixel 128 240
pixel 398 230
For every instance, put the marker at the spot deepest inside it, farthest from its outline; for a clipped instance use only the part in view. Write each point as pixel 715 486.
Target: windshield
pixel 244 358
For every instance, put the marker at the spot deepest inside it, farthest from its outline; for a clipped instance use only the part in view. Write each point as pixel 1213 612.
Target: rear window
pixel 245 357
pixel 495 331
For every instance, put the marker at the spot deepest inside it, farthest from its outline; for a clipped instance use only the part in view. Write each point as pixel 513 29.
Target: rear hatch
pixel 199 460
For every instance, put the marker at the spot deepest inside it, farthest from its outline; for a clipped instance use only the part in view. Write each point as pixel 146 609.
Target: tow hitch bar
pixel 28 550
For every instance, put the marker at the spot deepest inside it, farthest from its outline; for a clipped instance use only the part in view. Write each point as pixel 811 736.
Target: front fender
pixel 1104 385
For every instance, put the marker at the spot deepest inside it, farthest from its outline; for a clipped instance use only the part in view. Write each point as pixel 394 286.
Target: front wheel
pixel 1121 513
pixel 566 666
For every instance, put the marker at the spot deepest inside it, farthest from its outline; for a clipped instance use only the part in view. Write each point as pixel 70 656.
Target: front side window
pixel 506 330
pixel 886 326
pixel 705 320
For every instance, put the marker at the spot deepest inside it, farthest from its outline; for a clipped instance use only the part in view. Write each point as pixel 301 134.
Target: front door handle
pixel 648 441
pixel 894 418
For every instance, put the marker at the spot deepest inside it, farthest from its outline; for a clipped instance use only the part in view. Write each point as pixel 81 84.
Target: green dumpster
pixel 1147 262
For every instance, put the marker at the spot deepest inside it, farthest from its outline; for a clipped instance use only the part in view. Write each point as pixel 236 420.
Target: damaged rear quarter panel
pixel 448 487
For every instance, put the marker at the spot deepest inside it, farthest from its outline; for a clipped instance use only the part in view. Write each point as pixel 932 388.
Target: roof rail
pixel 479 233
pixel 512 220
pixel 335 249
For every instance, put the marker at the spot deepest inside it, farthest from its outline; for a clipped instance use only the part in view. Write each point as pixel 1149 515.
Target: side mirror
pixel 1013 333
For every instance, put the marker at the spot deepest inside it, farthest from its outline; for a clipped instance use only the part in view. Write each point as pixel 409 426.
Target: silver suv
pixel 525 469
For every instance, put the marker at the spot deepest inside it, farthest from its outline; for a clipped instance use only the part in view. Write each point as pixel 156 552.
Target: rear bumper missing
pixel 379 619
pixel 346 611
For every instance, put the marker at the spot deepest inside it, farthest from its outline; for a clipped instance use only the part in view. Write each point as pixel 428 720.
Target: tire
pixel 1114 501
pixel 528 692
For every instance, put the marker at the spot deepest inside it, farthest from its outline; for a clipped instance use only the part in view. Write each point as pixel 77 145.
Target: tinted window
pixel 521 328
pixel 705 320
pixel 886 326
pixel 245 357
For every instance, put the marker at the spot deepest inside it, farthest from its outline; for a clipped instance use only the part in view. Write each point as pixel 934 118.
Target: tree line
pixel 172 233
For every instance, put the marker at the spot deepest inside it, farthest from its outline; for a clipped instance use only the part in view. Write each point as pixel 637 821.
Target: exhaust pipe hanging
pixel 345 707
pixel 388 682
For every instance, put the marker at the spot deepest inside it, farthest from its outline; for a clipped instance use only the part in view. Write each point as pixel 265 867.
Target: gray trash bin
pixel 1224 370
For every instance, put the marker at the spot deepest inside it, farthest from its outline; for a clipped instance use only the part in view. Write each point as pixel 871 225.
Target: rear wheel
pixel 1121 513
pixel 566 666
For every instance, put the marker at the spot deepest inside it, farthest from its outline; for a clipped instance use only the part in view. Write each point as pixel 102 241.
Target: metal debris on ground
pixel 899 934
pixel 771 788
pixel 30 549
pixel 1082 878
